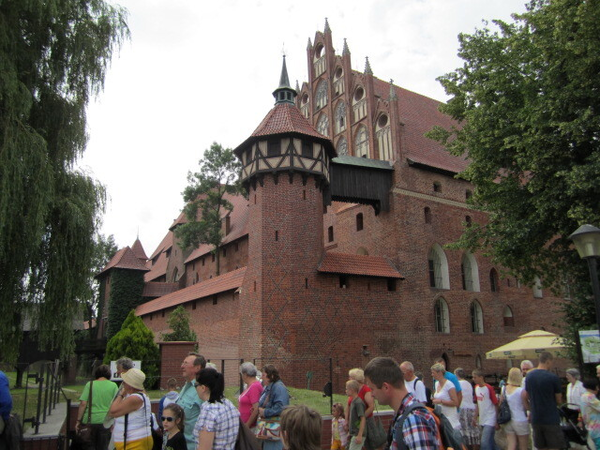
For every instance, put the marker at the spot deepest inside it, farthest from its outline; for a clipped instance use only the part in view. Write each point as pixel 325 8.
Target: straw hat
pixel 134 378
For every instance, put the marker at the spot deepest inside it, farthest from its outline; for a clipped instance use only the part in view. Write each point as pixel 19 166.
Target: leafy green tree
pixel 53 57
pixel 136 341
pixel 179 322
pixel 526 100
pixel 205 199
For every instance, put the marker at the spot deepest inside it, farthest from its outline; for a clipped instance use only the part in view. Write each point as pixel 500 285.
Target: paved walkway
pixel 52 426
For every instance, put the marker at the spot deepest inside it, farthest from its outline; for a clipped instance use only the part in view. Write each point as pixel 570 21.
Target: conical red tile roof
pixel 138 250
pixel 124 259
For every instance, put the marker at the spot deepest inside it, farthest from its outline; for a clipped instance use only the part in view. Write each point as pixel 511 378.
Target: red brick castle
pixel 339 250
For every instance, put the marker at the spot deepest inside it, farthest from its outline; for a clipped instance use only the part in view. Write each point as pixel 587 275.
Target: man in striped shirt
pixel 415 430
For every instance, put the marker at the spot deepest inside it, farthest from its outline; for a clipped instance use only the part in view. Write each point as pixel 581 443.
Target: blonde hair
pixel 437 367
pixel 301 428
pixel 515 377
pixel 357 374
pixel 339 408
pixel 353 384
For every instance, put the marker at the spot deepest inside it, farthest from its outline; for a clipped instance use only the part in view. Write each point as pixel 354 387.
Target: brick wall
pixel 172 355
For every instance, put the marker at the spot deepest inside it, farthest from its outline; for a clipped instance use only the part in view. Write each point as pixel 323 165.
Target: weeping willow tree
pixel 53 58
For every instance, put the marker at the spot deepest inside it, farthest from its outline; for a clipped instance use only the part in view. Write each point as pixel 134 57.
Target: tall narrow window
pixel 323 125
pixel 438 268
pixel 321 95
pixel 494 281
pixel 427 212
pixel 359 222
pixel 507 317
pixel 307 149
pixel 470 273
pixel 476 317
pixel 537 287
pixel 362 143
pixel 330 234
pixel 442 317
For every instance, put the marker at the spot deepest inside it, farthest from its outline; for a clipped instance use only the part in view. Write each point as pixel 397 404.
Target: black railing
pixel 49 389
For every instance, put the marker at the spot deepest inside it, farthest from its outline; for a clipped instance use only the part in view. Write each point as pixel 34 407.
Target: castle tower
pixel 286 166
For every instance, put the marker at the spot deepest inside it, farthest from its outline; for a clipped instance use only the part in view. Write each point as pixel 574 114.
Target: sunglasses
pixel 168 419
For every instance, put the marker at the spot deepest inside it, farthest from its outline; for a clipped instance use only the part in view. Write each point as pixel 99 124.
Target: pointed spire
pixel 327 29
pixel 309 45
pixel 368 70
pixel 297 86
pixel 346 49
pixel 393 95
pixel 284 93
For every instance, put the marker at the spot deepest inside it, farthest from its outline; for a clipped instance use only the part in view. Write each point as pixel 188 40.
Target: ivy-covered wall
pixel 126 288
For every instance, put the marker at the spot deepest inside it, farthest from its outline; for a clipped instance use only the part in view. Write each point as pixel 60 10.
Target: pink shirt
pixel 248 398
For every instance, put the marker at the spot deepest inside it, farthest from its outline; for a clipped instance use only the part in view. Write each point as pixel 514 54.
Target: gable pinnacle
pixel 327 29
pixel 393 95
pixel 368 70
pixel 346 49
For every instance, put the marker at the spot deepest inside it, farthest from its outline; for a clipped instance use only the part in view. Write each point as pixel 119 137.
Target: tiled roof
pixel 138 250
pixel 155 289
pixel 124 259
pixel 159 268
pixel 285 118
pixel 223 283
pixel 238 225
pixel 419 114
pixel 372 266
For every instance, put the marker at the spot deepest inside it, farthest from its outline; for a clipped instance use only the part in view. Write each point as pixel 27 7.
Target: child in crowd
pixel 170 397
pixel 173 421
pixel 300 428
pixel 357 425
pixel 339 435
pixel 487 404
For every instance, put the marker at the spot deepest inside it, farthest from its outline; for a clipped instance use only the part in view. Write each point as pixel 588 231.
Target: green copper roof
pixel 362 162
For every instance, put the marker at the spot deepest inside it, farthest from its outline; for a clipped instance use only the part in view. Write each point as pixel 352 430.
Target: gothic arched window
pixel 323 125
pixel 476 317
pixel 340 117
pixel 342 146
pixel 470 273
pixel 321 96
pixel 362 143
pixel 438 268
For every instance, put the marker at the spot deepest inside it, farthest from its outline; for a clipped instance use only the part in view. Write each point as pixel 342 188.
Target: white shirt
pixel 467 397
pixel 451 412
pixel 417 388
pixel 487 409
pixel 574 394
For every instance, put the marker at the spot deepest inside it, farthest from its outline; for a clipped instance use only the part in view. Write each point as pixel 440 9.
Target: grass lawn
pixel 313 399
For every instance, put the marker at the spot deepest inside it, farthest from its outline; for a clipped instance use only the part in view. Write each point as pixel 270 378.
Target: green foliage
pixel 527 102
pixel 126 287
pixel 53 56
pixel 136 341
pixel 179 322
pixel 205 199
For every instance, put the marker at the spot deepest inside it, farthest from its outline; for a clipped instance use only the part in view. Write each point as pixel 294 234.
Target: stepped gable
pixel 124 259
pixel 372 266
pixel 238 225
pixel 138 250
pixel 419 114
pixel 226 282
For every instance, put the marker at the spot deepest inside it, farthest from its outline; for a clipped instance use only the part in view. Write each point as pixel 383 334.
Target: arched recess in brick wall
pixel 438 268
pixel 507 317
pixel 476 317
pixel 470 273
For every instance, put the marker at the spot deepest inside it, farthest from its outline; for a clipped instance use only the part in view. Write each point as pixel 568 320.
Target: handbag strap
pixel 89 405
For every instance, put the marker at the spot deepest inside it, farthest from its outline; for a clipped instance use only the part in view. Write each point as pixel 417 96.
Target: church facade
pixel 339 251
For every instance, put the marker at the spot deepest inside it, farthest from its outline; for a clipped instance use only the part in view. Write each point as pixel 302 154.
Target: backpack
pixel 450 437
pixel 401 444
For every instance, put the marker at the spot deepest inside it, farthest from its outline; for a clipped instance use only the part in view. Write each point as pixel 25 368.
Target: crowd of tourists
pixel 454 412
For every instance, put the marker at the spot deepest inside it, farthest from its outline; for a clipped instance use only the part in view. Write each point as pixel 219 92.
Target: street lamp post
pixel 587 243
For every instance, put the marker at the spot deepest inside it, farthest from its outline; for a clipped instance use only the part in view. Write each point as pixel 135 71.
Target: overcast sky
pixel 198 71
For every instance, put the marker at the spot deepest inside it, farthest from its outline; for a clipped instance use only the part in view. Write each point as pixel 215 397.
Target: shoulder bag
pixel 268 429
pixel 504 410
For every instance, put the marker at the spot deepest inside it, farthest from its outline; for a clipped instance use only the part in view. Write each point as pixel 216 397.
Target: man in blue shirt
pixel 188 397
pixel 5 401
